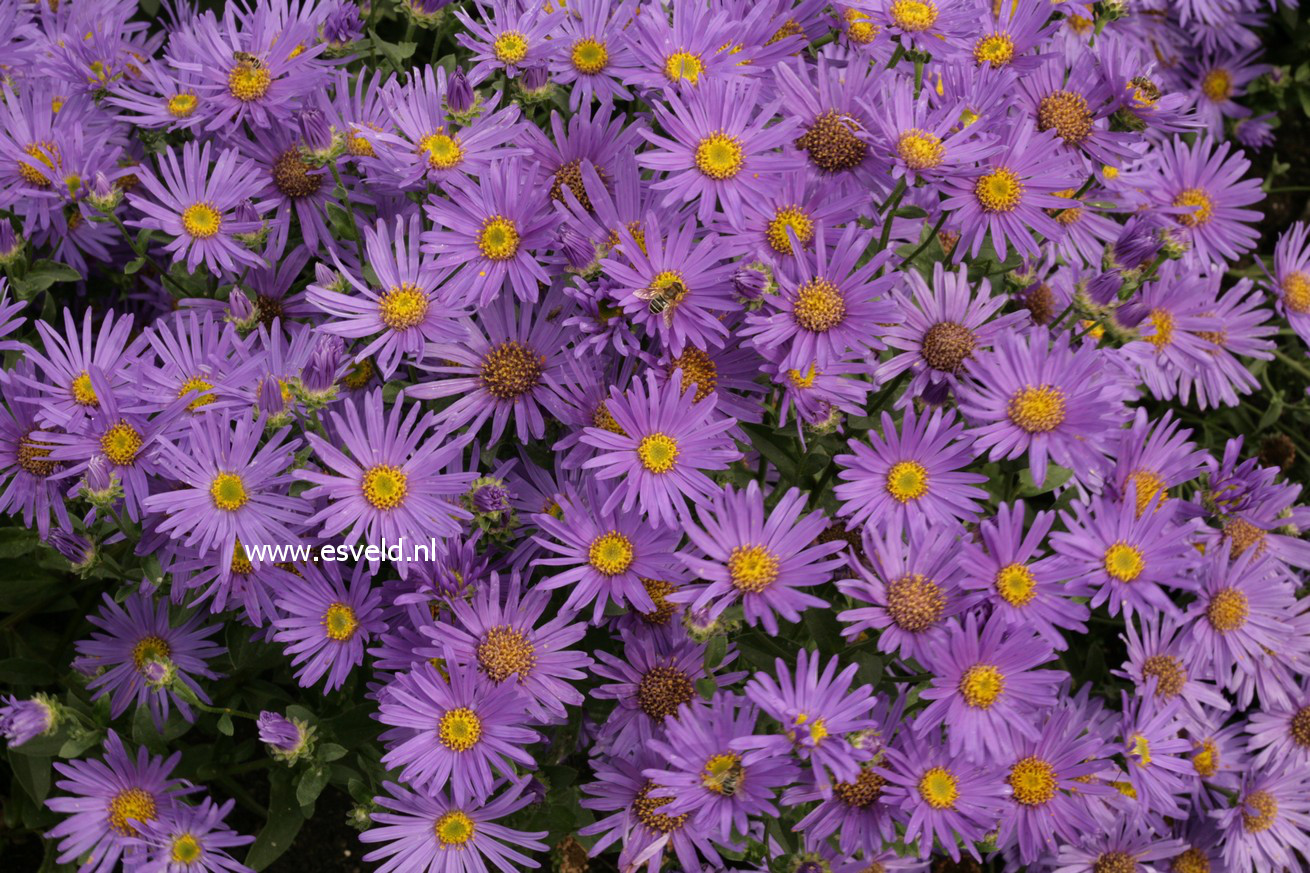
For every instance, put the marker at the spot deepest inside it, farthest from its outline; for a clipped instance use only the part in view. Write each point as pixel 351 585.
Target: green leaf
pixel 764 440
pixel 1055 477
pixel 311 785
pixel 715 651
pixel 707 687
pixel 33 773
pixel 22 671
pixel 75 746
pixel 134 266
pixel 284 821
pixel 910 212
pixel 16 541
pixel 331 751
pixel 41 275
pixel 225 725
pixel 1271 414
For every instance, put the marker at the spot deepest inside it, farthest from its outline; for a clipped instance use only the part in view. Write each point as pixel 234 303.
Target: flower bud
pixel 319 375
pixel 459 93
pixel 287 739
pixel 315 130
pixel 23 720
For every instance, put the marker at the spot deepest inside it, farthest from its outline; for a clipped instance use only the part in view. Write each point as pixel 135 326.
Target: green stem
pixel 142 252
pixel 887 209
pixel 350 209
pixel 918 77
pixel 1083 190
pixel 896 56
pixel 1297 366
pixel 932 234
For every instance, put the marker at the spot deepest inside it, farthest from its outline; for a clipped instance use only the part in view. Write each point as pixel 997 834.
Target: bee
pixel 727 782
pixel 247 59
pixel 664 300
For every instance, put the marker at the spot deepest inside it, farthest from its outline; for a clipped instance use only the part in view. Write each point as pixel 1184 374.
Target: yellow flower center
pixel 996 49
pixel 228 492
pixel 201 387
pixel 915 603
pixel 662 690
pixel 723 774
pixel 201 220
pixel 646 808
pixel 1032 781
pixel 444 151
pixel 752 568
pixel 186 849
pixel 460 729
pixel 1066 113
pixel 683 65
pixel 33 455
pixel 1016 584
pixel 1037 409
pixel 939 788
pixel 510 370
pixel 1170 675
pixel 789 218
pixel 182 105
pixel 1296 292
pixel 982 685
pixel 510 47
pixel 920 150
pixel 248 82
pixel 1148 485
pixel 1193 860
pixel 832 144
pixel 403 307
pixel 385 486
pixel 1162 323
pixel 589 56
pixel 802 380
pixel 914 16
pixel 658 452
pixel 1140 748
pixel 1205 760
pixel 859 28
pixel 453 829
pixel 1124 562
pixel 907 480
pixel 120 444
pixel 1201 204
pixel 1243 535
pixel 149 649
pixel 83 393
pixel 719 156
pixel 610 553
pixel 128 805
pixel 819 306
pixel 1001 190
pixel 46 153
pixel 505 651
pixel 241 565
pixel 339 622
pixel 1228 610
pixel 499 238
pixel 1259 811
pixel 698 369
pixel 1217 85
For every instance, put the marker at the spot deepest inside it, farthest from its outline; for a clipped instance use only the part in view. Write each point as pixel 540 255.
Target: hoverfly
pixel 247 59
pixel 663 300
pixel 727 782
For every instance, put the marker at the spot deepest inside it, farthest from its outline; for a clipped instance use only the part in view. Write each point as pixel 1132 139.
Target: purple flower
pixel 326 623
pixel 194 839
pixel 1204 189
pixel 23 720
pixel 1269 822
pixel 757 560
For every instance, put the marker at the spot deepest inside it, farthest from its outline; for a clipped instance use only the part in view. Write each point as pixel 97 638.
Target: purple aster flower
pixel 985 687
pixel 1289 282
pixel 944 801
pixel 403 310
pixel 326 623
pixel 143 656
pixel 1162 663
pixel 920 141
pixel 1154 457
pixel 1128 558
pixel 788 210
pixel 497 629
pixel 494 231
pixel 830 304
pixel 23 720
pixel 719 148
pixel 1279 734
pixel 911 473
pixel 1218 78
pixel 672 285
pixel 761 562
pixel 911 587
pixel 193 839
pixel 1127 844
pixel 1007 201
pixel 109 799
pixel 595 55
pixel 825 100
pixel 678 51
pixel 598 137
pixel 706 778
pixel 198 356
pixel 655 676
pixel 510 364
pixel 940 327
pixel 637 818
pixel 453 728
pixel 1026 587
pixel 31 489
pixel 667 439
pixel 391 484
pixel 1048 789
pixel 1045 399
pixel 429 833
pixel 1269 822
pixel 195 203
pixel 1076 102
pixel 607 553
pixel 233 488
pixel 65 361
pixel 818 712
pixel 1205 188
pixel 729 374
pixel 1156 753
pixel 506 36
pixel 285 737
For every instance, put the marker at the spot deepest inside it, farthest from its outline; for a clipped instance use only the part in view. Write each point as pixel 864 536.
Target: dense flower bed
pixel 677 435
